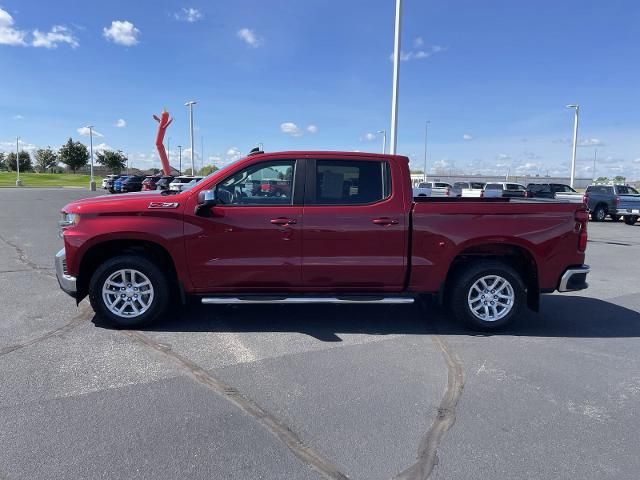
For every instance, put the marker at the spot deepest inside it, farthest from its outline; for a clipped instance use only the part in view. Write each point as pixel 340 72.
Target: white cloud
pixel 121 123
pixel 369 136
pixel 590 142
pixel 57 34
pixel 250 37
pixel 467 137
pixel 101 147
pixel 121 32
pixel 18 117
pixel 10 146
pixel 9 35
pixel 84 131
pixel 637 160
pixel 312 129
pixel 233 154
pixel 290 128
pixel 418 51
pixel 188 15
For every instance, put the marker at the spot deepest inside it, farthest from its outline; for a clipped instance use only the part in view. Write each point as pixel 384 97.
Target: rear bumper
pixel 67 282
pixel 574 278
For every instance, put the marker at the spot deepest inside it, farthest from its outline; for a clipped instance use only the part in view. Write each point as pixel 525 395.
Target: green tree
pixel 45 159
pixel 207 169
pixel 619 179
pixel 602 180
pixel 25 161
pixel 3 163
pixel 114 161
pixel 73 154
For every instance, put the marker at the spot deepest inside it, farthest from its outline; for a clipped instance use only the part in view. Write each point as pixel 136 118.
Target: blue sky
pixel 493 77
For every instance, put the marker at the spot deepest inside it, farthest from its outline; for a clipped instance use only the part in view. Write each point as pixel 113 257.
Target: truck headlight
pixel 67 220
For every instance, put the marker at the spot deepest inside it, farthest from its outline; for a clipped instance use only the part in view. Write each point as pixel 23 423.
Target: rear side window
pixel 624 190
pixel 349 182
pixel 493 186
pixel 538 188
pixel 477 185
pixel 515 186
pixel 461 185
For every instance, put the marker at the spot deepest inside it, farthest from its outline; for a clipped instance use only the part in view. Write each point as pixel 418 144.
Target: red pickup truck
pixel 345 230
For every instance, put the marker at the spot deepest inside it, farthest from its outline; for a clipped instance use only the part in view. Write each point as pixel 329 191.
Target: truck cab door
pixel 355 234
pixel 251 239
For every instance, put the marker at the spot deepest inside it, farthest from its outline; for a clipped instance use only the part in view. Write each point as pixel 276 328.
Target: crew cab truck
pixel 603 200
pixel 346 230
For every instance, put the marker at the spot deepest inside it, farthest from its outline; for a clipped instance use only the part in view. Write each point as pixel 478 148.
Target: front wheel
pixel 129 291
pixel 487 295
pixel 599 214
pixel 630 219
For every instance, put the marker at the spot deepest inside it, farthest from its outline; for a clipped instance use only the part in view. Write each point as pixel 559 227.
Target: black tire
pixel 462 283
pixel 599 213
pixel 630 219
pixel 156 277
pixel 615 218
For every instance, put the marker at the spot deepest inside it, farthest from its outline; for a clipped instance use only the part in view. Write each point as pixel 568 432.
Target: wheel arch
pixel 99 252
pixel 516 256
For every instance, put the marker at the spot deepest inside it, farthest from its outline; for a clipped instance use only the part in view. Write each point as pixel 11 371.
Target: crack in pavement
pixel 446 417
pixel 22 258
pixel 274 425
pixel 79 318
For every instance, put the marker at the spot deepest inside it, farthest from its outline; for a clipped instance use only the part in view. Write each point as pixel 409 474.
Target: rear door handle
pixel 284 221
pixel 385 221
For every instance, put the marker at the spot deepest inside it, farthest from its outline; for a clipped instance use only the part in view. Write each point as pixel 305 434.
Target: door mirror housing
pixel 206 200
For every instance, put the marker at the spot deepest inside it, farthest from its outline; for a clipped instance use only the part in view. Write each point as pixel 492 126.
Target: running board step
pixel 294 300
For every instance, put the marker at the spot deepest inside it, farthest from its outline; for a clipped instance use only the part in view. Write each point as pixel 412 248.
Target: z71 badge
pixel 163 205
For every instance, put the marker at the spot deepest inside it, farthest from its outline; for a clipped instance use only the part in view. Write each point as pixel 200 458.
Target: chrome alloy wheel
pixel 127 293
pixel 491 298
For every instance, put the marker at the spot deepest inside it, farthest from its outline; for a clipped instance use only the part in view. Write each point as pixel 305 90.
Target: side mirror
pixel 206 200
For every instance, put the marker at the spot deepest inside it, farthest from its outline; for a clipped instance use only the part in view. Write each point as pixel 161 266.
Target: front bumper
pixel 67 282
pixel 574 278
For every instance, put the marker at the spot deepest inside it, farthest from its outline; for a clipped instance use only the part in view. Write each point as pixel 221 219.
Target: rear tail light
pixel 617 201
pixel 585 199
pixel 581 218
pixel 446 192
pixel 481 193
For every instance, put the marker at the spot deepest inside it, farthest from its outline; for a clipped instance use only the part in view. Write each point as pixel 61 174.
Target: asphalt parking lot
pixel 297 392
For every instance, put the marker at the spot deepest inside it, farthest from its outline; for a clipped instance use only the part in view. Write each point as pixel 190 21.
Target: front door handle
pixel 284 221
pixel 385 221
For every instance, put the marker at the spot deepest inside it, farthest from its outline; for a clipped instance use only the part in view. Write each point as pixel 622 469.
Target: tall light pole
pixel 18 181
pixel 180 156
pixel 190 104
pixel 384 140
pixel 595 159
pixel 575 142
pixel 92 182
pixel 426 132
pixel 396 79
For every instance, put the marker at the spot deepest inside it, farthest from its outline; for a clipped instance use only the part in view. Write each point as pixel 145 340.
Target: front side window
pixel 266 183
pixel 350 182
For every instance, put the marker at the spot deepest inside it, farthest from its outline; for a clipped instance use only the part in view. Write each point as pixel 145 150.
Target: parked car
pixel 133 183
pixel 183 182
pixel 345 236
pixel 504 189
pixel 604 200
pixel 164 182
pixel 117 183
pixel 554 190
pixel 432 189
pixel 468 189
pixel 107 181
pixel 150 182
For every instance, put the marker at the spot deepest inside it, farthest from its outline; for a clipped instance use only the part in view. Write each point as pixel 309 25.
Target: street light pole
pixel 595 159
pixel 180 156
pixel 426 132
pixel 575 142
pixel 384 140
pixel 190 104
pixel 92 182
pixel 18 181
pixel 396 79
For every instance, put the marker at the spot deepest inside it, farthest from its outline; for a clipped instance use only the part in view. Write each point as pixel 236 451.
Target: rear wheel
pixel 599 213
pixel 486 295
pixel 630 219
pixel 129 291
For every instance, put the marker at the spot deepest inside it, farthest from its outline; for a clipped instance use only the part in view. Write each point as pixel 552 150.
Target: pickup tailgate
pixel 629 204
pixel 546 232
